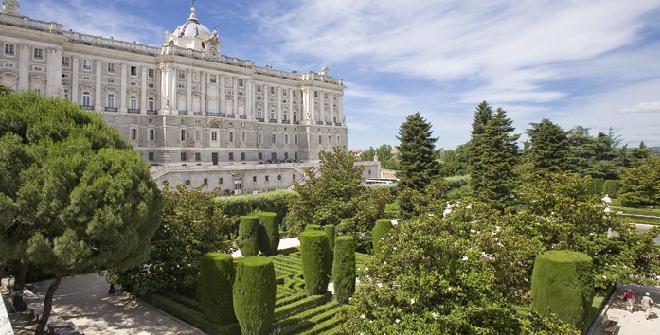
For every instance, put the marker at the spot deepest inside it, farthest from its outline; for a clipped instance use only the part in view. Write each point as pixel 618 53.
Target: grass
pixel 639 211
pixel 630 219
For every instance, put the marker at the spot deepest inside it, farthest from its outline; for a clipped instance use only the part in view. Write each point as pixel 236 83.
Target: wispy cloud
pixel 643 107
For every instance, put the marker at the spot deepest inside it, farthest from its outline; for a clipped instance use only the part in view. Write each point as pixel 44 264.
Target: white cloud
pixel 643 107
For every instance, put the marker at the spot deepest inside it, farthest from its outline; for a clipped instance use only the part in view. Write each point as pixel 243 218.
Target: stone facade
pixel 184 103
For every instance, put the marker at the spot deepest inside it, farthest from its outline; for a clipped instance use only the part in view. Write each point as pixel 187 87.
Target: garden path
pixel 634 323
pixel 285 243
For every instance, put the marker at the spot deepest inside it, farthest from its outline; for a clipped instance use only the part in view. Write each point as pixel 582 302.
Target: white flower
pixel 472 231
pixel 380 285
pixel 397 321
pixel 465 258
pixel 394 222
pixel 434 315
pixel 412 301
pixel 449 289
pixel 363 316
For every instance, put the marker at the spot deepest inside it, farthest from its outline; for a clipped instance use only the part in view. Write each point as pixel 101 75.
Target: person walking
pixel 630 299
pixel 647 304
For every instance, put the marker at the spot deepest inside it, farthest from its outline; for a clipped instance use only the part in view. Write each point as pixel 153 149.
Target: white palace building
pixel 200 117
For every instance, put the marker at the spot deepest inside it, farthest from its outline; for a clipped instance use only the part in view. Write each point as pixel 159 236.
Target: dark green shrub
pixel 597 186
pixel 316 258
pixel 343 268
pixel 269 235
pixel 254 294
pixel 380 229
pixel 611 187
pixel 562 283
pixel 248 236
pixel 314 227
pixel 330 231
pixel 392 211
pixel 215 280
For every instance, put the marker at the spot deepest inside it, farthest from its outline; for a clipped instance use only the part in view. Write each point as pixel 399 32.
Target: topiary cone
pixel 215 280
pixel 254 293
pixel 248 236
pixel 343 268
pixel 380 230
pixel 269 234
pixel 562 283
pixel 316 258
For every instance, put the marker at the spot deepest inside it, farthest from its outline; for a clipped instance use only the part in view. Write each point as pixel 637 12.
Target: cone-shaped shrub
pixel 316 259
pixel 216 278
pixel 248 236
pixel 313 227
pixel 380 229
pixel 254 294
pixel 269 235
pixel 343 268
pixel 330 231
pixel 562 283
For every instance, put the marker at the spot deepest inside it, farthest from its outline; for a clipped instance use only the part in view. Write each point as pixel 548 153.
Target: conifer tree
pixel 498 157
pixel 549 146
pixel 482 115
pixel 418 165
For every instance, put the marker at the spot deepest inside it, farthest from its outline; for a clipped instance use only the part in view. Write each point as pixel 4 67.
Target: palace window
pixel 38 53
pixel 184 156
pixel 231 156
pixel 286 138
pixel 133 71
pixel 242 156
pixel 198 156
pixel 243 137
pixel 182 74
pixel 286 155
pixel 87 64
pixel 320 140
pixel 231 136
pixel 240 82
pixel 133 134
pixel 66 62
pixel 316 94
pixel 260 140
pixel 272 90
pixel 86 99
pixel 152 73
pixel 151 155
pixel 258 88
pixel 152 134
pixel 9 50
pixel 110 101
pixel 261 156
pixel 295 139
pixel 111 67
pixel 151 104
pixel 213 79
pixel 273 138
pixel 133 102
pixel 183 135
pixel 254 179
pixel 214 135
pixel 220 181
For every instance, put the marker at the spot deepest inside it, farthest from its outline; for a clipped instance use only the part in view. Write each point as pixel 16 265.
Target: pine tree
pixel 498 157
pixel 416 151
pixel 482 115
pixel 549 146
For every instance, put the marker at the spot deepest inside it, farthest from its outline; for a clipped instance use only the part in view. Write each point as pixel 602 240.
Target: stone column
pixel 266 90
pixel 173 82
pixel 122 93
pixel 75 77
pixel 143 92
pixel 189 75
pixel 24 67
pixel 222 94
pixel 249 111
pixel 98 97
pixel 235 96
pixel 290 104
pixel 340 108
pixel 54 72
pixel 278 109
pixel 203 80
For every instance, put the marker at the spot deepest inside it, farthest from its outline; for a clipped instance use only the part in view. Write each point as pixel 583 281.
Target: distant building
pixel 201 117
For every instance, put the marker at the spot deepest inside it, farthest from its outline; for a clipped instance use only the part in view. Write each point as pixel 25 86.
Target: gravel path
pixel 634 323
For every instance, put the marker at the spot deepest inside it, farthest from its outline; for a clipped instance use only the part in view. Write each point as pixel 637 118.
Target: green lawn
pixel 638 211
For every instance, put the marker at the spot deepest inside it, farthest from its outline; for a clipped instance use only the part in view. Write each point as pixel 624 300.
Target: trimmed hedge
pixel 314 227
pixel 215 280
pixel 316 259
pixel 269 235
pixel 254 293
pixel 562 283
pixel 380 230
pixel 248 236
pixel 191 316
pixel 343 268
pixel 611 187
pixel 330 231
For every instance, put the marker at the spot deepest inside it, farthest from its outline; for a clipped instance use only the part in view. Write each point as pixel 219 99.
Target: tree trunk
pixel 48 305
pixel 18 303
pixel 112 289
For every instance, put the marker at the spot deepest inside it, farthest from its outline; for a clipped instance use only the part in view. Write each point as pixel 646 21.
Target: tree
pixel 86 202
pixel 549 146
pixel 192 225
pixel 416 151
pixel 335 195
pixel 640 186
pixel 494 170
pixel 477 145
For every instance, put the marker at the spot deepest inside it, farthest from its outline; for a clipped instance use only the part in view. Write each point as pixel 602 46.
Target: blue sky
pixel 589 63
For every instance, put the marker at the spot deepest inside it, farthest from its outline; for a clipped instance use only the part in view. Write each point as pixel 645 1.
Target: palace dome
pixel 192 28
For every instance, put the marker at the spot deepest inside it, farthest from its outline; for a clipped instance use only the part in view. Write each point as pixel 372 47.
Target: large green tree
pixel 640 186
pixel 493 178
pixel 418 165
pixel 549 146
pixel 478 143
pixel 85 202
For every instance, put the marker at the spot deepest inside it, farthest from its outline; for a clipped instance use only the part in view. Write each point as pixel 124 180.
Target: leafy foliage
pixel 248 236
pixel 269 235
pixel 640 186
pixel 385 156
pixel 416 151
pixel 192 225
pixel 380 230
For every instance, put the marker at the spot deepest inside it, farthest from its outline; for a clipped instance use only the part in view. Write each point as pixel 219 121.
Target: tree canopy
pixel 418 165
pixel 549 146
